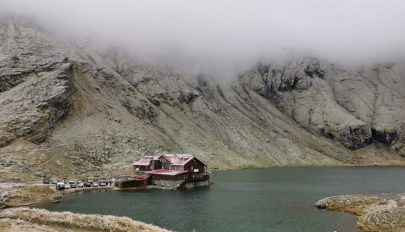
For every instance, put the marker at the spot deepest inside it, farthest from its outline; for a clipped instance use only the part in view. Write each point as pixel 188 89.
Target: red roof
pixel 174 159
pixel 145 161
pixel 166 172
pixel 179 159
pixel 142 177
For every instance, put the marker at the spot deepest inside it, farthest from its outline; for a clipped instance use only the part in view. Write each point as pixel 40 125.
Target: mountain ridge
pixel 84 111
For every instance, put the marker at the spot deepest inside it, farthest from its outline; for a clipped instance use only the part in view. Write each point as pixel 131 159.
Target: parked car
pixel 102 183
pixel 95 184
pixel 87 184
pixel 45 180
pixel 60 186
pixel 67 185
pixel 73 184
pixel 54 181
pixel 80 184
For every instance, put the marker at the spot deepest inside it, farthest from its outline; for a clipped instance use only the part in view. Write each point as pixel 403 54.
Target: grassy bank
pixel 15 218
pixel 40 219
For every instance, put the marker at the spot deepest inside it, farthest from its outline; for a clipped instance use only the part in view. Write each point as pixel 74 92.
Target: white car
pixel 73 184
pixel 67 186
pixel 80 185
pixel 95 184
pixel 103 183
pixel 60 186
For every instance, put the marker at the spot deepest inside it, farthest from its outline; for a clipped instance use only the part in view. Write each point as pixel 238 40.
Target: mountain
pixel 70 110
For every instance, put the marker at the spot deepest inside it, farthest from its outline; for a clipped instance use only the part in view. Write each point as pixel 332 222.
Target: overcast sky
pixel 235 31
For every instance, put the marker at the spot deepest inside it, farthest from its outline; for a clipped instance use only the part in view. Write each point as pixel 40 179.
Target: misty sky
pixel 236 32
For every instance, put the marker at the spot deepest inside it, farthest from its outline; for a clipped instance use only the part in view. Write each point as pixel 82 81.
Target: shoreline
pixel 375 212
pixel 36 220
pixel 19 212
pixel 57 195
pixel 311 166
pixel 16 194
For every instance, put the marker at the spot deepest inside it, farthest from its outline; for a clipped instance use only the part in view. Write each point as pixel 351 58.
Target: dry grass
pixel 26 194
pixel 78 221
pixel 3 225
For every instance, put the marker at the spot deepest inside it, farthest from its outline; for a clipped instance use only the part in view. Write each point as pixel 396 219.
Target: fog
pixel 232 34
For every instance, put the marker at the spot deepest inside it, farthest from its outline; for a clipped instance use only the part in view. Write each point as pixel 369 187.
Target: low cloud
pixel 231 34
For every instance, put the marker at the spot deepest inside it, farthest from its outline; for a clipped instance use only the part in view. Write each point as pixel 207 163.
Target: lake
pixel 273 199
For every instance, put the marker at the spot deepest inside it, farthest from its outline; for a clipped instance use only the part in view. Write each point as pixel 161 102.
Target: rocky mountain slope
pixel 67 110
pixel 354 107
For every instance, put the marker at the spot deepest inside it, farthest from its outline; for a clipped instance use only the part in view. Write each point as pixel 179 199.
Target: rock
pixel 354 138
pixel 385 212
pixel 401 132
pixel 6 137
pixel 15 195
pixel 187 97
pixel 354 107
pixel 32 104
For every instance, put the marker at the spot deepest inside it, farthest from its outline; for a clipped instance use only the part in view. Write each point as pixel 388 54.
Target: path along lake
pixel 273 199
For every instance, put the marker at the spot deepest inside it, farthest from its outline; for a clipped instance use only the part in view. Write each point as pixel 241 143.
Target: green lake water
pixel 273 199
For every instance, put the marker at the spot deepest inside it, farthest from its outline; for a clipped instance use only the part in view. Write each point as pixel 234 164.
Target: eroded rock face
pixel 354 107
pixel 34 112
pixel 399 143
pixel 35 86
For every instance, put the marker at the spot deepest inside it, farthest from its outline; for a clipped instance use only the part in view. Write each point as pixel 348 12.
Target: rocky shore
pixel 14 217
pixel 384 212
pixel 25 219
pixel 24 194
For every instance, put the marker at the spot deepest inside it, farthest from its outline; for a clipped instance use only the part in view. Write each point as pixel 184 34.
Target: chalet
pixel 147 163
pixel 171 171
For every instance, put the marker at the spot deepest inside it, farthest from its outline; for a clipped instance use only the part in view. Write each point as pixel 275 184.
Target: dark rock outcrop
pixel 354 108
